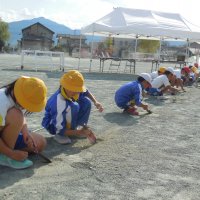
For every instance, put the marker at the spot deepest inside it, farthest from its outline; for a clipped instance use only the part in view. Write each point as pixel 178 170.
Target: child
pixel 130 94
pixel 68 108
pixel 178 82
pixel 161 84
pixel 160 71
pixel 186 77
pixel 21 97
pixel 194 72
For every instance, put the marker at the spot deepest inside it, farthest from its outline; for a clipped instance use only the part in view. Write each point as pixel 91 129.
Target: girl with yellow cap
pixel 157 73
pixel 69 108
pixel 161 84
pixel 24 95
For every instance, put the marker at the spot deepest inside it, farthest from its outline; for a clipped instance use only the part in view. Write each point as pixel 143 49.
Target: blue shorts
pixel 20 144
pixel 154 92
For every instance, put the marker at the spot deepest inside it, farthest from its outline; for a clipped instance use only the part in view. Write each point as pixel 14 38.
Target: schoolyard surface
pixel 148 157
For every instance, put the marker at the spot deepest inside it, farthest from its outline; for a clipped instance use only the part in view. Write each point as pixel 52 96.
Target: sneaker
pixel 6 161
pixel 62 139
pixel 162 97
pixel 131 111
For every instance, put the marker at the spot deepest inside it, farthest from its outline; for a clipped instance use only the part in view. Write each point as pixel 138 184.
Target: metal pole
pixel 197 56
pixel 187 50
pixel 91 52
pixel 22 59
pixel 136 43
pixel 79 56
pixel 160 48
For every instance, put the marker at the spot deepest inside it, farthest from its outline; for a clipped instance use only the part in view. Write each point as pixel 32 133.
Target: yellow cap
pixel 162 69
pixel 30 93
pixel 73 81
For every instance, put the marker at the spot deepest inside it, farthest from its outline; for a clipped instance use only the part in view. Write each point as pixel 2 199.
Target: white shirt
pixel 160 81
pixel 154 74
pixel 5 104
pixel 177 73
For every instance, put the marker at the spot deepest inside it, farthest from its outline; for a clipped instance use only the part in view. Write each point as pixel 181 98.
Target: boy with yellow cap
pixel 24 94
pixel 162 84
pixel 194 73
pixel 69 108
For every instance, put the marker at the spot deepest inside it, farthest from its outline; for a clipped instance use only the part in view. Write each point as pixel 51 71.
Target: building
pixel 37 37
pixel 71 44
pixel 122 47
pixel 195 48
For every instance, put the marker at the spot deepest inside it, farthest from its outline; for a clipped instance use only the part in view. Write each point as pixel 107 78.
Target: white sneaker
pixel 162 98
pixel 62 139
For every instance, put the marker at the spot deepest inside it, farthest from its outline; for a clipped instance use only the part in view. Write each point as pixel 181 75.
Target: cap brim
pixel 76 89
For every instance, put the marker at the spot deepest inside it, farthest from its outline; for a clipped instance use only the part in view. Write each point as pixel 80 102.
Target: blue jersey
pixel 60 113
pixel 128 92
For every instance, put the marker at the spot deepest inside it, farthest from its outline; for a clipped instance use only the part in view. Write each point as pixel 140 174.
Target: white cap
pixel 146 77
pixel 170 69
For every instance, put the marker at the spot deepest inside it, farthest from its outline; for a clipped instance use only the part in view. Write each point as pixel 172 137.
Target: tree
pixel 109 45
pixel 105 46
pixel 4 34
pixel 148 46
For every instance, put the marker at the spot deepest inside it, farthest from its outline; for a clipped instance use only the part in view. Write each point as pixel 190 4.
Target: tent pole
pixel 136 43
pixel 79 56
pixel 91 52
pixel 159 52
pixel 160 48
pixel 197 57
pixel 187 50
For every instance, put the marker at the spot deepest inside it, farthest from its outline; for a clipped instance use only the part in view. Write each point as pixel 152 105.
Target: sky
pixel 76 14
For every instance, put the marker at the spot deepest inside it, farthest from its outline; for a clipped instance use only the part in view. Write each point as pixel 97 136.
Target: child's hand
pixel 31 144
pixel 174 90
pixel 85 132
pixel 19 155
pixel 89 134
pixel 99 106
pixel 145 107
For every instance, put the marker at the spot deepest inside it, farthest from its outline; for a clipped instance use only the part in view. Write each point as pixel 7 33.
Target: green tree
pixel 109 44
pixel 148 46
pixel 4 34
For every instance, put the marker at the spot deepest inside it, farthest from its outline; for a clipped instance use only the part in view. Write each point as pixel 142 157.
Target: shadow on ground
pixel 121 118
pixel 52 152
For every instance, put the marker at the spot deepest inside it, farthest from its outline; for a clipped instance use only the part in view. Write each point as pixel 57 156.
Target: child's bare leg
pixel 14 123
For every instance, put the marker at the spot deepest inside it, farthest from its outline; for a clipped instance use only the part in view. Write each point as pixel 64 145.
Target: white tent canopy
pixel 125 21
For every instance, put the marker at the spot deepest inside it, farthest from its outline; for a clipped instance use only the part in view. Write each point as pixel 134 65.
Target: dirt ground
pixel 147 157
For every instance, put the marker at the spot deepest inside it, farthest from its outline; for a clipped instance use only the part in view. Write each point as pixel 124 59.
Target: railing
pixel 144 56
pixel 36 54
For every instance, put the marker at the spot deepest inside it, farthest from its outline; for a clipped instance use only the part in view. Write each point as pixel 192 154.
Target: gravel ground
pixel 147 157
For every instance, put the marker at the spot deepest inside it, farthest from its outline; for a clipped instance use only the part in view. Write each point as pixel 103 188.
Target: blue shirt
pixel 59 114
pixel 128 92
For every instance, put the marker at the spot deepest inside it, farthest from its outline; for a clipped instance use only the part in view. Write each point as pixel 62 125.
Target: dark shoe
pixel 131 111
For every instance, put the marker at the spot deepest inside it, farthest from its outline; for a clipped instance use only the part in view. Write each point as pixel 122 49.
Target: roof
pixel 133 22
pixel 39 24
pixel 70 36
